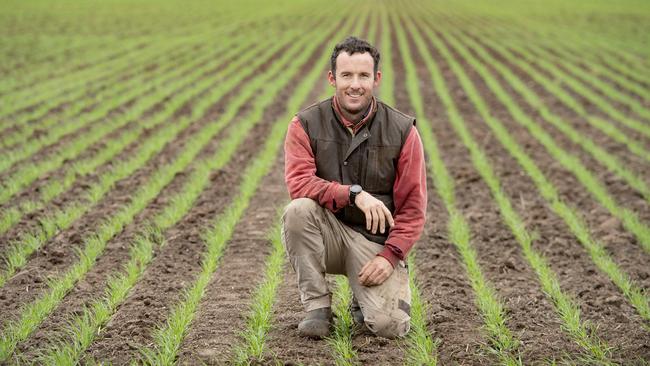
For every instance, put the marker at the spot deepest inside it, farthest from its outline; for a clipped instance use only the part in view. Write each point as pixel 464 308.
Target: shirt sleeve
pixel 410 198
pixel 300 172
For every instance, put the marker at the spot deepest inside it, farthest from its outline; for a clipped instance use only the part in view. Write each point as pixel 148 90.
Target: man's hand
pixel 377 214
pixel 375 272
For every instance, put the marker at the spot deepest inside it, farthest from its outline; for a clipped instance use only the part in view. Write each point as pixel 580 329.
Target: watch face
pixel 355 188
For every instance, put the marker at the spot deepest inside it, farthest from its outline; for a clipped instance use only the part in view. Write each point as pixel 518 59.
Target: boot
pixel 355 311
pixel 316 323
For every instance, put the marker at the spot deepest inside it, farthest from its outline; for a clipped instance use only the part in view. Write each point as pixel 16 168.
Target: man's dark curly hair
pixel 353 45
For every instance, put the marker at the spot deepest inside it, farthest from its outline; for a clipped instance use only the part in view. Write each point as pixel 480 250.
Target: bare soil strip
pixel 223 310
pixel 160 106
pixel 59 253
pixel 592 108
pixel 606 229
pixel 499 253
pixel 173 269
pixel 442 279
pixel 634 162
pixel 601 302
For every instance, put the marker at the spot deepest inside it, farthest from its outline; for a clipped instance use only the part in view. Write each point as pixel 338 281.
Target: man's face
pixel 354 81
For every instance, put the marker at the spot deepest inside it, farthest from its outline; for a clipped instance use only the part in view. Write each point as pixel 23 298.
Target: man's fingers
pixel 375 219
pixel 368 214
pixel 382 221
pixel 370 274
pixel 389 216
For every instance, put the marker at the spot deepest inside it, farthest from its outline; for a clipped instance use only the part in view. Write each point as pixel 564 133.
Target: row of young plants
pixel 61 219
pixel 571 217
pixel 602 62
pixel 421 348
pixel 169 336
pixel 160 90
pixel 503 344
pixel 587 81
pixel 74 105
pixel 599 255
pixel 608 128
pixel 629 218
pixel 529 55
pixel 603 156
pixel 33 313
pixel 72 78
pixel 566 309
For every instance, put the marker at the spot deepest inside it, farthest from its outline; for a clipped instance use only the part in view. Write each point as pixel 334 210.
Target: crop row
pixel 62 219
pixel 201 84
pixel 201 172
pixel 569 312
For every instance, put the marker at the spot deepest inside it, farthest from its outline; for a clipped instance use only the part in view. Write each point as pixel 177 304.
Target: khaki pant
pixel 318 243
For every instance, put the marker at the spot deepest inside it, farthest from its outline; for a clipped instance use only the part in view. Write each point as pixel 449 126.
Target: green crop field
pixel 142 179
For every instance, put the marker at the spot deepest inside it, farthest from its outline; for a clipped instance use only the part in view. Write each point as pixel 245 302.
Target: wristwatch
pixel 355 189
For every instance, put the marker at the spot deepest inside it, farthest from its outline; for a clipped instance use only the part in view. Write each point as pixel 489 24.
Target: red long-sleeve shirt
pixel 409 189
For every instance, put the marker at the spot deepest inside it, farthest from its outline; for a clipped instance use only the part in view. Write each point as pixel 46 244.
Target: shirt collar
pixel 367 116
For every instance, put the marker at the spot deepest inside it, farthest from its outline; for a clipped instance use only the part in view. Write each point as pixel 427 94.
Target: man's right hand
pixel 377 214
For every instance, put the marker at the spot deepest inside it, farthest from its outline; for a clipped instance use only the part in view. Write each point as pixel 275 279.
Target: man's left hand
pixel 375 272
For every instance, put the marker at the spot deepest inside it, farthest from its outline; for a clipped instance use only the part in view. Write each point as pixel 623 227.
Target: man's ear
pixel 331 78
pixel 377 78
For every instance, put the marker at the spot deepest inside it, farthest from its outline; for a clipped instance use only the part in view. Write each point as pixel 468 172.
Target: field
pixel 141 179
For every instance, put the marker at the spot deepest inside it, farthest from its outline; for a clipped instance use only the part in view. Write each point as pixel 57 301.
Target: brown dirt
pixel 224 307
pixel 620 243
pixel 600 301
pixel 206 207
pixel 133 323
pixel 499 254
pixel 452 317
pixel 32 193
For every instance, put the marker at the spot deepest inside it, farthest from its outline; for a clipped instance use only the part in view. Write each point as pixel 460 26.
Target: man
pixel 355 171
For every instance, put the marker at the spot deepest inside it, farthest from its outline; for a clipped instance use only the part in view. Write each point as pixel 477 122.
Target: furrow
pixel 610 161
pixel 502 342
pixel 549 192
pixel 58 183
pixel 164 260
pixel 565 309
pixel 27 243
pixel 35 312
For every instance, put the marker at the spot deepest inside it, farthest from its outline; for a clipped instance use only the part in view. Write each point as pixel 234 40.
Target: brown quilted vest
pixel 368 158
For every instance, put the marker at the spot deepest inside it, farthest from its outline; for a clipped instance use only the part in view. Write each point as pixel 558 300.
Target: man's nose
pixel 356 82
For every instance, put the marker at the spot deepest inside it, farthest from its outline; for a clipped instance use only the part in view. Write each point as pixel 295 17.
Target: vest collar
pixel 370 113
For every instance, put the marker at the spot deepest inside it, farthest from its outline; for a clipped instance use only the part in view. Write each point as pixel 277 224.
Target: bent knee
pixel 386 326
pixel 297 211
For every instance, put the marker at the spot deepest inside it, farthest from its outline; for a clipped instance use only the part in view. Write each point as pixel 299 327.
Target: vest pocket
pixel 381 169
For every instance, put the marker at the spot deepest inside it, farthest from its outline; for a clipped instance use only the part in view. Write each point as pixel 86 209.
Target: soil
pixel 452 316
pixel 499 254
pixel 211 201
pixel 600 301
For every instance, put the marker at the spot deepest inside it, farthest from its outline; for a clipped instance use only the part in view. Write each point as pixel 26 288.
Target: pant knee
pixel 297 212
pixel 386 326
